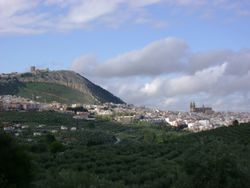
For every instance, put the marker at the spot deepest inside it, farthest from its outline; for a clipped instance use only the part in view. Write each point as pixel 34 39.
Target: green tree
pixel 77 109
pixel 50 138
pixel 235 122
pixel 149 136
pixel 56 147
pixel 220 171
pixel 15 164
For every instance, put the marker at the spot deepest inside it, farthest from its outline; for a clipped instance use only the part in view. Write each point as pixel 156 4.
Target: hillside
pixel 61 86
pixel 147 156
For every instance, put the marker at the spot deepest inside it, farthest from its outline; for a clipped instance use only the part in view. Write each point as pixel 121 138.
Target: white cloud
pixel 168 56
pixel 25 16
pixel 87 11
pixel 201 81
pixel 170 101
pixel 189 3
pixel 238 62
pixel 154 88
pixel 16 16
pixel 142 3
pixel 84 64
pixel 167 74
pixel 163 56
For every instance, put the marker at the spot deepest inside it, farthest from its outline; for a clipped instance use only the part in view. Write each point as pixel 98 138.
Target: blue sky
pixel 137 38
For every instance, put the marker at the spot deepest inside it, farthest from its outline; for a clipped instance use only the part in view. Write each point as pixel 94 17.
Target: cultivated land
pixel 105 154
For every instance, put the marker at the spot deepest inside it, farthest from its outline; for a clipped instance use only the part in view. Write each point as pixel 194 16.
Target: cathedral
pixel 202 109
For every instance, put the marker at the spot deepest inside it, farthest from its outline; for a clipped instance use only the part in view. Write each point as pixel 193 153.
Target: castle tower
pixel 32 69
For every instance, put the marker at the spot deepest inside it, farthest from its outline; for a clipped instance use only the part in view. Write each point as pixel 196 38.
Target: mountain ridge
pixel 72 81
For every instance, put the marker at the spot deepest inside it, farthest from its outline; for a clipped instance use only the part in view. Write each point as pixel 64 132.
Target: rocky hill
pixel 61 86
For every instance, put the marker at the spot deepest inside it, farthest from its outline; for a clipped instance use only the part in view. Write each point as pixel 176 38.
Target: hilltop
pixel 61 86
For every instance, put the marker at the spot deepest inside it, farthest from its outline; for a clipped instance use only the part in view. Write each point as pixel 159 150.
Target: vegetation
pixel 77 109
pixel 48 118
pixel 56 147
pixel 106 154
pixel 15 164
pixel 10 86
pixel 65 87
pixel 49 92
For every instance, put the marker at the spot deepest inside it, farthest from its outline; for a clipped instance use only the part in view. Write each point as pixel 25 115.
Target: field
pixel 105 154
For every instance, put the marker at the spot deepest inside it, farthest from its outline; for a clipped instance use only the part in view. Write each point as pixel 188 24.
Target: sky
pixel 156 53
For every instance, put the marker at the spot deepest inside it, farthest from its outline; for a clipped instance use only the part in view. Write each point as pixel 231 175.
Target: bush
pixel 50 138
pixel 15 164
pixel 149 136
pixel 56 147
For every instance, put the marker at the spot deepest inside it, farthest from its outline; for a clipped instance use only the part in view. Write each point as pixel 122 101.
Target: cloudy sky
pixel 158 53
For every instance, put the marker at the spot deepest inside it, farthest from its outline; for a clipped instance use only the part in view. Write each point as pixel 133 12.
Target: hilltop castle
pixel 34 70
pixel 202 109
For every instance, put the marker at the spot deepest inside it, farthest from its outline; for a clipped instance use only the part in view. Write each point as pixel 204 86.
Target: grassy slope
pixel 28 85
pixel 49 92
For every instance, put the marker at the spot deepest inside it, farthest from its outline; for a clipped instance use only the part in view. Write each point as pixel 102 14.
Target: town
pixel 197 119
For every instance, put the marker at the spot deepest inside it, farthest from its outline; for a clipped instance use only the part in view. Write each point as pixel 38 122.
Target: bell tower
pixel 192 107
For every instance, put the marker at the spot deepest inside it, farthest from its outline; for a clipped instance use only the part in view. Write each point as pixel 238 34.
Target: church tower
pixel 192 107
